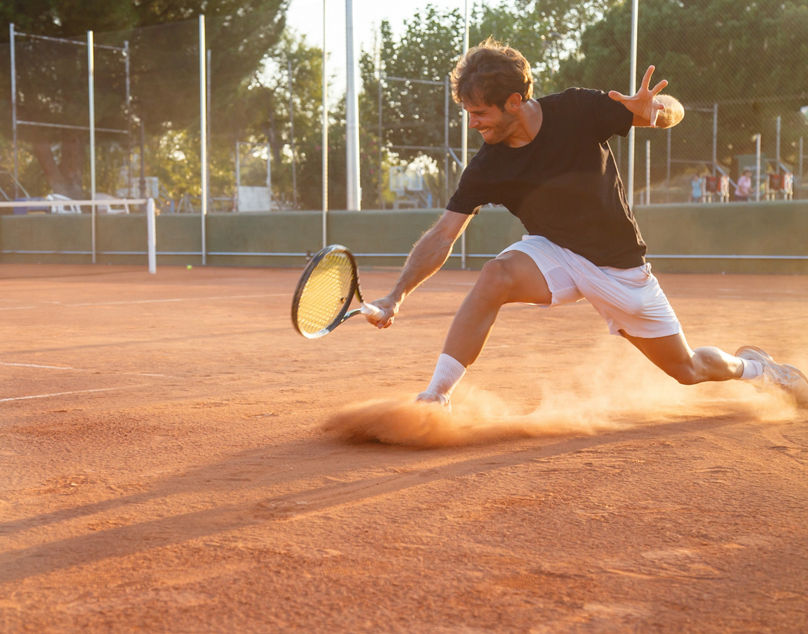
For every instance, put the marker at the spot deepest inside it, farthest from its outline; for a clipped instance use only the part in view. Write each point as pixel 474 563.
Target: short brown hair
pixel 491 72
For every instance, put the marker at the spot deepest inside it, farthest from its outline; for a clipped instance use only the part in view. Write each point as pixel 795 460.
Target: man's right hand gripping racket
pixel 325 292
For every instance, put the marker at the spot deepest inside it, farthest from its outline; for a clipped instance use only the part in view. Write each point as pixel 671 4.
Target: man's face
pixel 494 124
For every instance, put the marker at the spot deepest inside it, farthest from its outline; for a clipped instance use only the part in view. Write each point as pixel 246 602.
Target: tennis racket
pixel 325 292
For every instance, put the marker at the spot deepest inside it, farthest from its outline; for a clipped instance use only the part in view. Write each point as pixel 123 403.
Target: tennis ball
pixel 189 267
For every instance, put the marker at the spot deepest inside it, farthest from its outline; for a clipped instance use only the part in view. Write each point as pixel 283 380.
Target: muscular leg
pixel 673 356
pixel 514 277
pixel 511 277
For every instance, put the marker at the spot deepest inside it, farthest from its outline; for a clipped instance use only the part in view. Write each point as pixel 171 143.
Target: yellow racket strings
pixel 327 290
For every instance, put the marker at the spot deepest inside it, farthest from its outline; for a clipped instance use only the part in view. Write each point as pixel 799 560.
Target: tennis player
pixel 547 160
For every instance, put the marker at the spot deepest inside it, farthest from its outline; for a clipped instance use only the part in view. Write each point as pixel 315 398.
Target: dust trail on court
pixel 620 396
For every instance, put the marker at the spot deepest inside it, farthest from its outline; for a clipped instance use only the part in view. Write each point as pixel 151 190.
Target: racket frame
pixel 355 290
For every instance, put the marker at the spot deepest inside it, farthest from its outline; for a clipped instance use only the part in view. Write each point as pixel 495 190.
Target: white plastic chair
pixel 121 208
pixel 63 209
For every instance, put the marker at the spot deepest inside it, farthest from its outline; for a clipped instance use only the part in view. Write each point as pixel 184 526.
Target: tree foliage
pixel 415 114
pixel 747 58
pixel 292 86
pixel 162 37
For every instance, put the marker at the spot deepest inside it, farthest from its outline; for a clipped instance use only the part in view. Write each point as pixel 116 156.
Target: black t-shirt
pixel 564 184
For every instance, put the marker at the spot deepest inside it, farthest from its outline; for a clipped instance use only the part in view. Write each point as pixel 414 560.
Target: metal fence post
pixel 203 136
pixel 91 98
pixel 13 61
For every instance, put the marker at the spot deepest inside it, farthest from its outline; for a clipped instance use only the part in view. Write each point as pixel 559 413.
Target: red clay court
pixel 165 467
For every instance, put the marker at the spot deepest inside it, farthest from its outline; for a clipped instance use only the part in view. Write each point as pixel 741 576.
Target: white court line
pixel 175 299
pixel 167 300
pixel 35 396
pixel 36 365
pixel 69 368
pixel 150 301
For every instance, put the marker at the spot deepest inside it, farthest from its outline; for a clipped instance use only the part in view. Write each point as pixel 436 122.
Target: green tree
pixel 164 58
pixel 369 173
pixel 747 58
pixel 413 113
pixel 292 84
pixel 557 25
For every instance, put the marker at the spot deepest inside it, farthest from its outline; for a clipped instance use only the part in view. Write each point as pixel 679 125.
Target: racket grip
pixel 370 309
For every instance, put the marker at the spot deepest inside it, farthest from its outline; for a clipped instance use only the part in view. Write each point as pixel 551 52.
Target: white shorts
pixel 630 300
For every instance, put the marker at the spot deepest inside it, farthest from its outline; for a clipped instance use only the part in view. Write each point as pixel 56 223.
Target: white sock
pixel 448 372
pixel 751 369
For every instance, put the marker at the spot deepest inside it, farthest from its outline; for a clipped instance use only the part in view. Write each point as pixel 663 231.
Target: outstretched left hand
pixel 643 105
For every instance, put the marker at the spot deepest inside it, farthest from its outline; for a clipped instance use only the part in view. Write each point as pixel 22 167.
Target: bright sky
pixel 306 17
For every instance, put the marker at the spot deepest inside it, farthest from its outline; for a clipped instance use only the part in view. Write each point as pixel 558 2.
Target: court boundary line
pixel 12 399
pixel 65 368
pixel 167 300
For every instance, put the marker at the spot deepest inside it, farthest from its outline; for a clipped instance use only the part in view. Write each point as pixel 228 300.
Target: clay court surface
pixel 165 466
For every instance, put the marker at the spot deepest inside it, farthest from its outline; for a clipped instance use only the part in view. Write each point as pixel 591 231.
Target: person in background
pixel 696 189
pixel 744 188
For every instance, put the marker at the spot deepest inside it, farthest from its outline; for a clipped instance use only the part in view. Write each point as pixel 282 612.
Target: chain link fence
pixel 135 106
pixel 118 115
pixel 745 91
pixel 738 69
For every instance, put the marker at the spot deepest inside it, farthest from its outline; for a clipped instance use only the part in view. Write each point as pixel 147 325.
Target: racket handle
pixel 370 309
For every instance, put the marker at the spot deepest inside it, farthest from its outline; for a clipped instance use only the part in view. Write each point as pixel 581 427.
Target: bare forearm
pixel 426 258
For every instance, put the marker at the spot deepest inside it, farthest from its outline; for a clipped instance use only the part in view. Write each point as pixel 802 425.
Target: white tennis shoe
pixel 434 397
pixel 780 375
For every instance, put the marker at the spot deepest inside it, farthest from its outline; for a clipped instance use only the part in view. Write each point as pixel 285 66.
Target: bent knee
pixel 513 277
pixel 497 269
pixel 684 369
pixel 496 279
pixel 685 374
pixel 706 364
